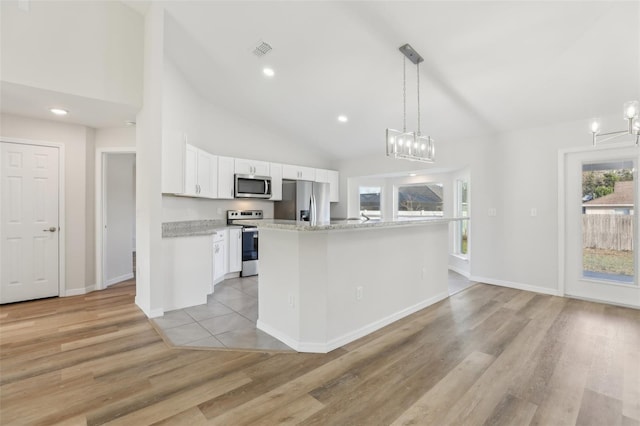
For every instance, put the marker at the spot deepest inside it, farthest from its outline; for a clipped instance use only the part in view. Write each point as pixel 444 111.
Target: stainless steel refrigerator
pixel 303 201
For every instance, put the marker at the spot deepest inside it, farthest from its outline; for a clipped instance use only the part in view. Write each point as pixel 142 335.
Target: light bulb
pixel 400 142
pixel 415 145
pixel 269 72
pixel 595 125
pixel 423 147
pixel 636 126
pixel 631 109
pixel 59 111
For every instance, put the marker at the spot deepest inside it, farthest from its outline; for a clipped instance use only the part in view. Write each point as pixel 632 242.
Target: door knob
pixel 52 229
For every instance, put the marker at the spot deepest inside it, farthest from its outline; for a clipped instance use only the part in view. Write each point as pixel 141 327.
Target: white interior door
pixel 601 225
pixel 28 222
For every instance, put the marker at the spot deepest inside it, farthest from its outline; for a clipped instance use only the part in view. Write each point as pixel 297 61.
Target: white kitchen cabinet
pixel 187 271
pixel 226 170
pixel 331 177
pixel 251 167
pixel 190 171
pixel 334 186
pixel 234 244
pixel 298 172
pixel 219 250
pixel 276 181
pixel 200 173
pixel 322 175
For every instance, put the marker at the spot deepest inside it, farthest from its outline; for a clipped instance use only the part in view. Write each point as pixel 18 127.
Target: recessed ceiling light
pixel 59 111
pixel 129 123
pixel 269 72
pixel 343 118
pixel 413 174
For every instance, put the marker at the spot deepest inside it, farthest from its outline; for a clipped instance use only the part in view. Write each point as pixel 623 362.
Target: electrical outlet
pixel 534 212
pixel 493 212
pixel 359 293
pixel 292 301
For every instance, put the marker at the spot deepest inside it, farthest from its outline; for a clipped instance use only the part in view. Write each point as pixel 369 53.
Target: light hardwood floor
pixel 487 355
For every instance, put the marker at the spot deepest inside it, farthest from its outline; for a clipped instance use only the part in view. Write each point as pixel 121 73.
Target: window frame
pixel 462 224
pixel 396 197
pixel 360 210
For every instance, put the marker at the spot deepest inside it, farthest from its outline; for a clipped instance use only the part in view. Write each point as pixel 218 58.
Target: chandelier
pixel 405 145
pixel 631 114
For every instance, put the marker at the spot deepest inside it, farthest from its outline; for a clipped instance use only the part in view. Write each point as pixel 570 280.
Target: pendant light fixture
pixel 413 146
pixel 631 114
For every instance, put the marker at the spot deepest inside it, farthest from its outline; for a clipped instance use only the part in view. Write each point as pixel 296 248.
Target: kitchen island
pixel 322 286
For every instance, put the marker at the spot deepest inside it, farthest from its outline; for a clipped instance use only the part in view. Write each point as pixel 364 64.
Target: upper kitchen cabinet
pixel 226 170
pixel 276 181
pixel 200 173
pixel 322 175
pixel 332 178
pixel 251 167
pixel 334 186
pixel 298 172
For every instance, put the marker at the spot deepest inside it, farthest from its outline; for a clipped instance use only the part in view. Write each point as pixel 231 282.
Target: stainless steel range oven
pixel 249 239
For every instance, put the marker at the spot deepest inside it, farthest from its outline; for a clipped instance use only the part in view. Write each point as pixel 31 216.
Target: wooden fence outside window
pixel 607 231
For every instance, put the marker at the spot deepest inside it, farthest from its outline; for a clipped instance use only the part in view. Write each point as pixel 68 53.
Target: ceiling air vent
pixel 261 49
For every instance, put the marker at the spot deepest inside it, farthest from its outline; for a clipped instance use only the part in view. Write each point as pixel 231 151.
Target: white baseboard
pixel 518 286
pixel 119 279
pixel 460 271
pixel 324 347
pixel 154 313
pixel 78 291
pixel 292 343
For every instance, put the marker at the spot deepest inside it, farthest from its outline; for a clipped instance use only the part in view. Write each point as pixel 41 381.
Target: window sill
pixel 460 256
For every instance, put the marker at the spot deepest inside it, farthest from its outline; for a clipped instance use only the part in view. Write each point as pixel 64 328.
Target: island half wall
pixel 325 286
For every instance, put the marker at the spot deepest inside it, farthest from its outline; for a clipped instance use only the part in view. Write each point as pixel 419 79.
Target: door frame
pixel 562 176
pixel 62 232
pixel 99 211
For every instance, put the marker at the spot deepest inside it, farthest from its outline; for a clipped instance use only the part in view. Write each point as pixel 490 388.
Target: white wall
pixel 91 49
pixel 119 195
pixel 79 190
pixel 149 277
pixel 116 137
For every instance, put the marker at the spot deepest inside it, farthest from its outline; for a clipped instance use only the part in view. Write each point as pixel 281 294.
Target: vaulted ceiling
pixel 489 67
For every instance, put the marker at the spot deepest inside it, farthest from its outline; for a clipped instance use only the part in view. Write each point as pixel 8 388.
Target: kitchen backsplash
pixel 186 208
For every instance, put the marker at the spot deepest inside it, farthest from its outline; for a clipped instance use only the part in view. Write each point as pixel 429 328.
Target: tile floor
pixel 228 320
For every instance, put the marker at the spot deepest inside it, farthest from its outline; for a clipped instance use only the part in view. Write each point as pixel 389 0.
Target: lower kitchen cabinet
pixel 187 269
pixel 235 250
pixel 219 257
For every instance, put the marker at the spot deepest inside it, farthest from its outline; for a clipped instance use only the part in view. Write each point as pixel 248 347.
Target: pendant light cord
pixel 418 79
pixel 404 94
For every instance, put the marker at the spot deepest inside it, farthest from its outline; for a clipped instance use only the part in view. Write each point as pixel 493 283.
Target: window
pixel 370 200
pixel 461 243
pixel 420 200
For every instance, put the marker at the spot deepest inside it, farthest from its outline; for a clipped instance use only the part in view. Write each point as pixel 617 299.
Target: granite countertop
pixel 190 228
pixel 346 224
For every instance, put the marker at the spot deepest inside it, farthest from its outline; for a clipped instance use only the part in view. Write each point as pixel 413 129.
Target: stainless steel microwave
pixel 251 186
